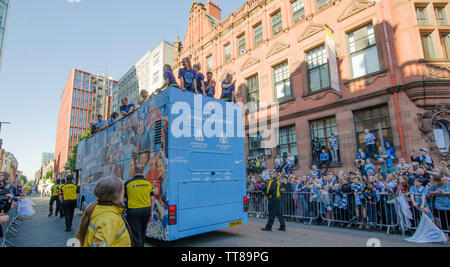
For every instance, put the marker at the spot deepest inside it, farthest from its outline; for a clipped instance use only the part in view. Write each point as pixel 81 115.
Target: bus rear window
pixel 215 162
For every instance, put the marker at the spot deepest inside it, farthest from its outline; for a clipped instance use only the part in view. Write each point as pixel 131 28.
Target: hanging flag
pixel 331 50
pixel 427 232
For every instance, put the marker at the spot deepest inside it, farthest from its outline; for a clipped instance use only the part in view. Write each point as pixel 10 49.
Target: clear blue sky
pixel 45 39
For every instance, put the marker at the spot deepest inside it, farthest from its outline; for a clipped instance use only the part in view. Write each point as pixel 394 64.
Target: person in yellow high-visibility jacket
pixel 56 188
pixel 102 224
pixel 273 195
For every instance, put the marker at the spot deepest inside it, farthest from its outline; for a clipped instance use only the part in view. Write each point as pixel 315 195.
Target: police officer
pixel 55 198
pixel 68 196
pixel 138 204
pixel 273 195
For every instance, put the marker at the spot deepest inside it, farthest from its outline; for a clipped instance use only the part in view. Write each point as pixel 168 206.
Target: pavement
pixel 42 231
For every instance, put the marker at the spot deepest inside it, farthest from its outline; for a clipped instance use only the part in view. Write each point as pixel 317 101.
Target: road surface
pixel 42 231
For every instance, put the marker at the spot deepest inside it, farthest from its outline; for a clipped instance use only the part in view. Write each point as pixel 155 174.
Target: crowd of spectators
pixel 364 197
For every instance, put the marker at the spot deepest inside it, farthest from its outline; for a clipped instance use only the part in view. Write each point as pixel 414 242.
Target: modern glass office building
pixel 4 4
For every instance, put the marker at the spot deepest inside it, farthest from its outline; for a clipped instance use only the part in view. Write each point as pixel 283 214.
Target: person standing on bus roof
pixel 68 196
pixel 138 203
pixel 187 76
pixel 102 224
pixel 228 86
pixel 199 79
pixel 273 195
pixel 210 85
pixel 126 108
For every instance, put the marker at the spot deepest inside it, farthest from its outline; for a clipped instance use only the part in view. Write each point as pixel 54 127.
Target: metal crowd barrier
pixel 300 206
pixel 8 228
pixel 308 207
pixel 382 213
pixel 304 206
pixel 257 204
pixel 379 213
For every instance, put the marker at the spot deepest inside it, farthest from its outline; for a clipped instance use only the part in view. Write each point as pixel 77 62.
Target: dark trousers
pixel 138 220
pixel 275 211
pixel 58 206
pixel 372 151
pixel 69 209
pixel 327 165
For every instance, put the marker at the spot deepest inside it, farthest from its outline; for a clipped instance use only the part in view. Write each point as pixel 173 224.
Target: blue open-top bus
pixel 192 150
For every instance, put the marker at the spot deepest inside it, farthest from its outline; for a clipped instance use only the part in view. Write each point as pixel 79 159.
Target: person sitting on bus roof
pixel 143 97
pixel 228 86
pixel 100 123
pixel 113 118
pixel 126 108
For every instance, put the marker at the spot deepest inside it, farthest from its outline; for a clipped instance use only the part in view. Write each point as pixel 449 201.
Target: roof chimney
pixel 213 10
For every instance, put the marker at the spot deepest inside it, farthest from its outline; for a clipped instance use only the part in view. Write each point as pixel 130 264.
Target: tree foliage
pixel 73 159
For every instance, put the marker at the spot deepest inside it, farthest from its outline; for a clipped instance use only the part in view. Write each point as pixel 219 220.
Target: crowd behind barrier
pixel 381 199
pixel 385 213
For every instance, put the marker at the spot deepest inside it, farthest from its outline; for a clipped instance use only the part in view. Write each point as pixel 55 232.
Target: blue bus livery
pixel 191 148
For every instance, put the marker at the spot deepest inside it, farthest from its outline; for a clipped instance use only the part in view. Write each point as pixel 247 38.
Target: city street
pixel 41 231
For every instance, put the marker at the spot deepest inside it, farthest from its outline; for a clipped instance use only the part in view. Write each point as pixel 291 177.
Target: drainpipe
pixel 394 81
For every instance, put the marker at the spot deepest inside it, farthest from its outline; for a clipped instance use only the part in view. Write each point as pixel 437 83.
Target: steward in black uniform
pixel 138 204
pixel 273 195
pixel 69 197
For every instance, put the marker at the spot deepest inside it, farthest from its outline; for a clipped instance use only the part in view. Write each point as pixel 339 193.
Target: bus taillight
pixel 245 204
pixel 172 215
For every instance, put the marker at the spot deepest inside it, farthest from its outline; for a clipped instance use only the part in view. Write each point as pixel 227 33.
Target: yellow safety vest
pixel 138 192
pixel 107 228
pixel 278 189
pixel 69 192
pixel 55 190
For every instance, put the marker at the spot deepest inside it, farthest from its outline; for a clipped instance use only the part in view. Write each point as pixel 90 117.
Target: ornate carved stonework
pixel 317 96
pixel 312 29
pixel 355 7
pixel 250 62
pixel 277 48
pixel 428 122
pixel 438 72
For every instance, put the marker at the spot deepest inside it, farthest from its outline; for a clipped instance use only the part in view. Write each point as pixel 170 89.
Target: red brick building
pixel 334 67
